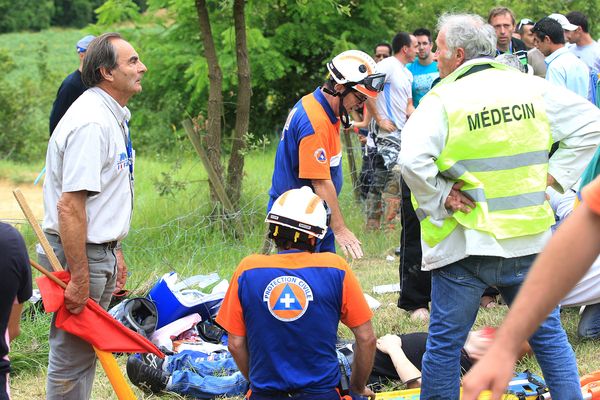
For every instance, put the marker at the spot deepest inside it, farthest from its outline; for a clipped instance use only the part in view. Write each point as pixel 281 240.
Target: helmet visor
pixel 370 85
pixel 374 82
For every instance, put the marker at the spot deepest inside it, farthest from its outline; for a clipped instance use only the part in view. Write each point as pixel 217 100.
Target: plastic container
pixel 175 300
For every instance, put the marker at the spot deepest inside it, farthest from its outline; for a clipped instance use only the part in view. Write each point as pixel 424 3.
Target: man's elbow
pixel 71 203
pixel 236 346
pixel 14 332
pixel 365 337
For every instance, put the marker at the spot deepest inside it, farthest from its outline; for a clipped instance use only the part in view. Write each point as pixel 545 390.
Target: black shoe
pixel 145 376
pixel 398 251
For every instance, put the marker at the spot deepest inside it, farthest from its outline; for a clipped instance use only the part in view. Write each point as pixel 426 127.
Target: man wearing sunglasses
pixel 390 112
pixel 310 151
pixel 535 58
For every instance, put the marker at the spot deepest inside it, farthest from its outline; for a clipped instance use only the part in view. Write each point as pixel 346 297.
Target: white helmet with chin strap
pixel 356 70
pixel 300 210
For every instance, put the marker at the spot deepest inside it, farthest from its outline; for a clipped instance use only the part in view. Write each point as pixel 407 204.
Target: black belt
pixel 108 245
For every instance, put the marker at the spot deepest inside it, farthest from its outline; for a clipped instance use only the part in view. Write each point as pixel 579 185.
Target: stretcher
pixel 523 386
pixel 415 394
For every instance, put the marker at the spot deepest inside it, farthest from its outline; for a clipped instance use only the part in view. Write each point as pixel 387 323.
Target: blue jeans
pixel 455 293
pixel 196 377
pixel 589 323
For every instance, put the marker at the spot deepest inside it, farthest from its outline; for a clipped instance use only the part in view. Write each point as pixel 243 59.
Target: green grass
pixel 56 45
pixel 180 232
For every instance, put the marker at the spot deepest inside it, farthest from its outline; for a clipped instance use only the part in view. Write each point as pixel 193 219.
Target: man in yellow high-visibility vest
pixel 475 156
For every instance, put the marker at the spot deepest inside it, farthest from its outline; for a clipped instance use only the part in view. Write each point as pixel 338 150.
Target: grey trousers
pixel 72 361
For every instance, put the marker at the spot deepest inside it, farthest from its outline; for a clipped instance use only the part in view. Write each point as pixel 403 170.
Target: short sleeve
pixel 355 310
pixel 313 157
pixel 84 155
pixel 231 316
pixel 16 271
pixel 384 67
pixel 591 195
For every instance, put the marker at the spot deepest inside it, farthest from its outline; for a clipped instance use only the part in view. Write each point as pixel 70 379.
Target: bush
pixel 22 105
pixel 25 15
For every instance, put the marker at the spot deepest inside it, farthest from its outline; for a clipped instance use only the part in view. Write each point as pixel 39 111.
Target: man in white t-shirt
pixel 390 111
pixel 88 201
pixel 586 48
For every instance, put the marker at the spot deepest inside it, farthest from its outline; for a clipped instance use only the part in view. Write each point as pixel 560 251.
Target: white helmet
pixel 300 210
pixel 356 69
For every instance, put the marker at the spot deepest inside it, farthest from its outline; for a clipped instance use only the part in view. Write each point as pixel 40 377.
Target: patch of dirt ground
pixel 9 208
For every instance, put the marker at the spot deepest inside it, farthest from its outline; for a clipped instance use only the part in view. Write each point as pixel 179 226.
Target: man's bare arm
pixel 238 347
pixel 325 189
pixel 364 354
pixel 72 220
pixel 14 328
pixel 574 244
pixel 383 123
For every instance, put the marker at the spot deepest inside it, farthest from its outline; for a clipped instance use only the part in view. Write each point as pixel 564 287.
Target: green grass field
pixel 177 232
pixel 57 46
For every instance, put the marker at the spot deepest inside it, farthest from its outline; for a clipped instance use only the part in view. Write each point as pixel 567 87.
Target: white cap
pixel 563 21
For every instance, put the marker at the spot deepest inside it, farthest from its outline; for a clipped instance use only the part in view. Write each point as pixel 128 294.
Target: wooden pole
pixel 37 229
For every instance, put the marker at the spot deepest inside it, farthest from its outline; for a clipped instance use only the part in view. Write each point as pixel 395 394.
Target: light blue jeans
pixel 455 293
pixel 195 376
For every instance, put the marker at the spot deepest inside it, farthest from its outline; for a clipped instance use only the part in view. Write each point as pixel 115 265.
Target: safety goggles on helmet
pixel 370 85
pixel 373 82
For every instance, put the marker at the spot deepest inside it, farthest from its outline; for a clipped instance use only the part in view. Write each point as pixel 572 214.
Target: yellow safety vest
pixel 498 144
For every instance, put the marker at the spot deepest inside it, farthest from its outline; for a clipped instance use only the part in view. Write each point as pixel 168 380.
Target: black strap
pixel 474 69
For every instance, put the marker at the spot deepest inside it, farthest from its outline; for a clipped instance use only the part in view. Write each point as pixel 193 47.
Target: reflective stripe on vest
pixel 504 170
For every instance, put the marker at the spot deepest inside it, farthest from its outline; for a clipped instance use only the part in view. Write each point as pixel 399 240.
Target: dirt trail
pixel 9 208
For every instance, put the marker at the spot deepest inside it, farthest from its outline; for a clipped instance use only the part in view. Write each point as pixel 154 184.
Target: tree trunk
pixel 235 169
pixel 215 97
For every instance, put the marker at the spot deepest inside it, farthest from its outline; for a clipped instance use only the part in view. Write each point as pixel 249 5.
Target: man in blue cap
pixel 71 88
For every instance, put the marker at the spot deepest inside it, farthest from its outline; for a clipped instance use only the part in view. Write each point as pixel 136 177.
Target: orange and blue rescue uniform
pixel 288 306
pixel 309 148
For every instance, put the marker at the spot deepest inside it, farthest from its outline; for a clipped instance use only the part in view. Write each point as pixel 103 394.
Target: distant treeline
pixel 36 15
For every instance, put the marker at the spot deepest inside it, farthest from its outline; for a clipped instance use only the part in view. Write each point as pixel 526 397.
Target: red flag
pixel 93 324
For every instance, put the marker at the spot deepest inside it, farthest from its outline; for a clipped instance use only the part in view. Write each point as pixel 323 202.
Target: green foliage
pixel 115 11
pixel 76 13
pixel 22 115
pixel 23 15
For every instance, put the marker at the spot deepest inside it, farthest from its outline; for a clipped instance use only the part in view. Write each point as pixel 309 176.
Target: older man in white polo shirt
pixel 88 200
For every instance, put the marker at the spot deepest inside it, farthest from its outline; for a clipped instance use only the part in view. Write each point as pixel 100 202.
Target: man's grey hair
pixel 469 32
pixel 100 53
